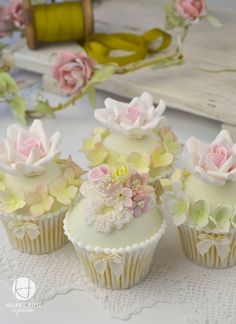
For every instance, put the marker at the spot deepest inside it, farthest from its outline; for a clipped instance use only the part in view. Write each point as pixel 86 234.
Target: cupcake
pixel 115 227
pixel 137 136
pixel 36 189
pixel 202 201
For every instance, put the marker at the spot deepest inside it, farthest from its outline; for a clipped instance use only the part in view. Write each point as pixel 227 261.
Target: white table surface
pixel 78 307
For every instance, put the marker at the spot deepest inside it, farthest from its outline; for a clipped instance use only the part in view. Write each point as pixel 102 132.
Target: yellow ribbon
pixel 65 22
pixel 99 46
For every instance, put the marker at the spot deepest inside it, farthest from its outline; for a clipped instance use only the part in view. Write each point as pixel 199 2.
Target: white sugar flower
pixel 214 163
pixel 28 152
pixel 178 208
pixel 132 119
pixel 103 218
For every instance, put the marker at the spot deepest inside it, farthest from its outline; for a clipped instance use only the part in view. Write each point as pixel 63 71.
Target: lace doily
pixel 204 295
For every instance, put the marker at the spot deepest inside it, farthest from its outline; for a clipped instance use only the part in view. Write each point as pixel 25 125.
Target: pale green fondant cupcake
pixel 137 135
pixel 115 227
pixel 36 189
pixel 202 202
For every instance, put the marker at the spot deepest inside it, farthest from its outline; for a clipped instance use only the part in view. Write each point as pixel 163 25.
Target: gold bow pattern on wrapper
pixel 102 261
pixel 207 241
pixel 20 229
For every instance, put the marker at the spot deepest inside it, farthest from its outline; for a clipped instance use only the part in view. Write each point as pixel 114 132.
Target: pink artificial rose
pixel 98 173
pixel 72 70
pixel 5 24
pixel 190 9
pixel 16 13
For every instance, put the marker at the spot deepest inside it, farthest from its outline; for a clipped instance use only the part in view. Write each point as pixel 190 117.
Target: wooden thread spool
pixel 30 24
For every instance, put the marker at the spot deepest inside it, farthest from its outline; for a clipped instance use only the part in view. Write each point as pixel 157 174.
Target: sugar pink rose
pixel 72 70
pixel 98 173
pixel 16 13
pixel 214 163
pixel 190 9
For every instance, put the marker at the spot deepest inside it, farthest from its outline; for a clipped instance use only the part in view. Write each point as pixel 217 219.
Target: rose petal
pixel 37 129
pixel 147 100
pixel 223 139
pixel 54 142
pixel 27 169
pixel 34 156
pixel 228 164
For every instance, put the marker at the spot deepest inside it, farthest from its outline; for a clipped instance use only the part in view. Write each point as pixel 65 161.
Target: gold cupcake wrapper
pixel 51 235
pixel 117 268
pixel 211 258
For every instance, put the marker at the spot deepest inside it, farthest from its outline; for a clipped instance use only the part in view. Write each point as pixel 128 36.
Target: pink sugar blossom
pixel 120 196
pixel 141 204
pixel 98 173
pixel 136 181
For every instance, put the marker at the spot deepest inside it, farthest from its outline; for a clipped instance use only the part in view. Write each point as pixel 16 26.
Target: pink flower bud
pixel 190 9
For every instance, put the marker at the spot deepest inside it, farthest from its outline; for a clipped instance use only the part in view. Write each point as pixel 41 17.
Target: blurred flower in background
pixel 72 70
pixel 16 13
pixel 5 23
pixel 190 9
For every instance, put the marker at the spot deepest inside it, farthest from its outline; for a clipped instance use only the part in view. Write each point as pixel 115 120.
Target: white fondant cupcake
pixel 115 228
pixel 137 136
pixel 203 202
pixel 36 189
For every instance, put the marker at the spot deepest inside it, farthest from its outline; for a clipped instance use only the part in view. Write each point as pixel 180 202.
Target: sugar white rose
pixel 214 163
pixel 28 152
pixel 133 119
